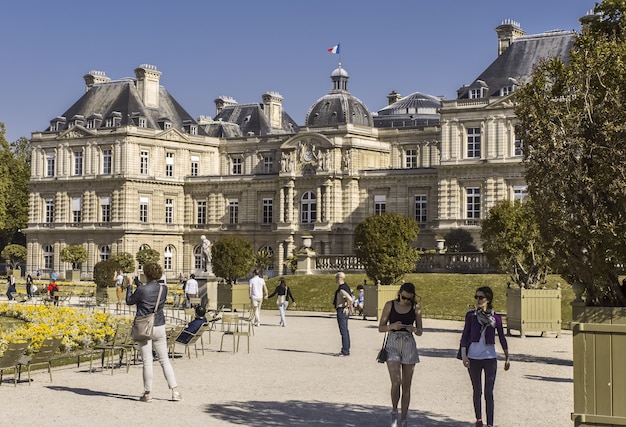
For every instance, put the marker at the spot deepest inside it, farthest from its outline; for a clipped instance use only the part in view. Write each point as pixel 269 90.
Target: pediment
pixel 307 154
pixel 75 132
pixel 309 139
pixel 173 135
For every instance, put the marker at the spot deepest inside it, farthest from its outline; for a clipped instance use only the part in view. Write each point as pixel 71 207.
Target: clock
pixel 308 156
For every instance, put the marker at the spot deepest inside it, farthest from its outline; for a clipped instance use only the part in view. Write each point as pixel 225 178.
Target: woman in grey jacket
pixel 145 297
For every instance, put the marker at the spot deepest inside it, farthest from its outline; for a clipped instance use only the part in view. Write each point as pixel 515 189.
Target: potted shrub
pixel 14 255
pixel 233 257
pixel 513 244
pixel 104 276
pixel 571 123
pixel 75 255
pixel 383 243
pixel 144 256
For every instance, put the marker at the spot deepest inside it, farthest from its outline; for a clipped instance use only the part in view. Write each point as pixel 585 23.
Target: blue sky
pixel 245 48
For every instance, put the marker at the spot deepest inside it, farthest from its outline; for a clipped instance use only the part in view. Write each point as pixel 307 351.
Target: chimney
pixel 148 84
pixel 223 102
pixel 273 108
pixel 508 31
pixel 393 97
pixel 93 78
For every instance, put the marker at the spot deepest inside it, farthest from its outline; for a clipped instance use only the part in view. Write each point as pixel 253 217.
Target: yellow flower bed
pixel 80 328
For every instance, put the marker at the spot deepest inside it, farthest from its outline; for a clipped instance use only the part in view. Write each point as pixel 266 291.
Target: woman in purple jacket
pixel 478 350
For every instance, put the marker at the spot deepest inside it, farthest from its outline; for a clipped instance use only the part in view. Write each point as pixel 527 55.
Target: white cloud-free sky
pixel 245 48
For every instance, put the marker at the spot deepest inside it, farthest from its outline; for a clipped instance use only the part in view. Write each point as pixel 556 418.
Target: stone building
pixel 126 167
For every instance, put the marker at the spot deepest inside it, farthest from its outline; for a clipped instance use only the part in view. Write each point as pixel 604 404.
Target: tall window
pixel 410 158
pixel 48 257
pixel 201 216
pixel 473 202
pixel 520 192
pixel 49 164
pixel 268 211
pixel 105 252
pixel 76 209
pixel 105 209
pixel 199 262
pixel 237 165
pixel 518 146
pixel 308 208
pixel 169 164
pixel 233 211
pixel 106 161
pixel 195 161
pixel 473 142
pixel 169 211
pixel 420 208
pixel 380 205
pixel 49 211
pixel 143 209
pixel 78 163
pixel 143 162
pixel 268 164
pixel 167 257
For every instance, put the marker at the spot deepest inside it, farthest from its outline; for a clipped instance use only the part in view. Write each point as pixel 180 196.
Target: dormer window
pixel 94 121
pixel 507 90
pixel 115 120
pixel 190 127
pixel 476 93
pixel 141 122
pixel 57 124
pixel 77 120
pixel 164 123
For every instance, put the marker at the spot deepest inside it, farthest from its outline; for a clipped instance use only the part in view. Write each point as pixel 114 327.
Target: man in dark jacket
pixel 342 303
pixel 193 326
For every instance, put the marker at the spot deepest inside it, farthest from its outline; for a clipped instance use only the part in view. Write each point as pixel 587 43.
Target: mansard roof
pixel 122 99
pixel 251 120
pixel 516 63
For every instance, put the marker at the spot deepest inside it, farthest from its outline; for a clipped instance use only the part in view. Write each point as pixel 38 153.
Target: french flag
pixel 334 49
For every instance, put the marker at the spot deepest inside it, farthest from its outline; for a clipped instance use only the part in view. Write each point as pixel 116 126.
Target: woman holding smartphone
pixel 401 318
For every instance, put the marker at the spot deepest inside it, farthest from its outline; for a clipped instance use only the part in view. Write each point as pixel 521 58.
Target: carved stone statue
pixel 206 252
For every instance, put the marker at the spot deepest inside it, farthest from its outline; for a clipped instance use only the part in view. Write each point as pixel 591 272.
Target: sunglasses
pixel 406 298
pixel 479 297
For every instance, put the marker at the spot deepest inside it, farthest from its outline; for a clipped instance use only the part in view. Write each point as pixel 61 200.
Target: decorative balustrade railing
pixel 334 263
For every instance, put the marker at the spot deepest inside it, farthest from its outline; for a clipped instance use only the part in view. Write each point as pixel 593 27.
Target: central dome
pixel 339 106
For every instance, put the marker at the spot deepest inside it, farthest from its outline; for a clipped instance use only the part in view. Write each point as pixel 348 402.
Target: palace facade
pixel 126 167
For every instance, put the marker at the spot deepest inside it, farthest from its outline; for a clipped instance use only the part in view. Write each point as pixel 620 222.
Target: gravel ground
pixel 290 377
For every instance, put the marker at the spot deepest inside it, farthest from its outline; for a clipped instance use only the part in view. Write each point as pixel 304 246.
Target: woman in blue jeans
pixel 478 351
pixel 282 301
pixel 145 297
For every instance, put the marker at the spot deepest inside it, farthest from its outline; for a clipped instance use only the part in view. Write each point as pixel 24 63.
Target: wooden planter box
pixel 533 310
pixel 72 275
pixel 599 345
pixel 234 297
pixel 375 298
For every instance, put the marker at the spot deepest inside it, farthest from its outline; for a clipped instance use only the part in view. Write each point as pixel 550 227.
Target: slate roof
pixel 516 63
pixel 338 106
pixel 123 97
pixel 416 109
pixel 250 120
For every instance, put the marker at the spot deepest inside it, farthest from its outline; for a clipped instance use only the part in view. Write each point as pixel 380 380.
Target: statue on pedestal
pixel 206 253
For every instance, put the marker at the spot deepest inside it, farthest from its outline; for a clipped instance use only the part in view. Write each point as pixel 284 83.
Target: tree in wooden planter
pixel 383 243
pixel 233 257
pixel 572 121
pixel 104 276
pixel 513 244
pixel 14 255
pixel 75 255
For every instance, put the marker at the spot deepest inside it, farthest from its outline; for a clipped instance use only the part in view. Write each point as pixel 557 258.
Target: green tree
pixel 125 260
pixel 383 243
pixel 232 258
pixel 74 254
pixel 14 178
pixel 460 240
pixel 14 254
pixel 512 243
pixel 572 119
pixel 144 256
pixel 104 273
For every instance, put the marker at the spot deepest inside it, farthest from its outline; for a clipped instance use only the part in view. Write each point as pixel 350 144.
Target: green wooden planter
pixel 375 298
pixel 599 345
pixel 72 275
pixel 533 310
pixel 235 297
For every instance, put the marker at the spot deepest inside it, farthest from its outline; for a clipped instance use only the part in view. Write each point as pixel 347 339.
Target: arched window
pixel 105 252
pixel 199 262
pixel 308 208
pixel 168 255
pixel 48 257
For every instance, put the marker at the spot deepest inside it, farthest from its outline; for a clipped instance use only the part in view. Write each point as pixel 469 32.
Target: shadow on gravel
pixel 291 350
pixel 551 379
pixel 88 392
pixel 296 412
